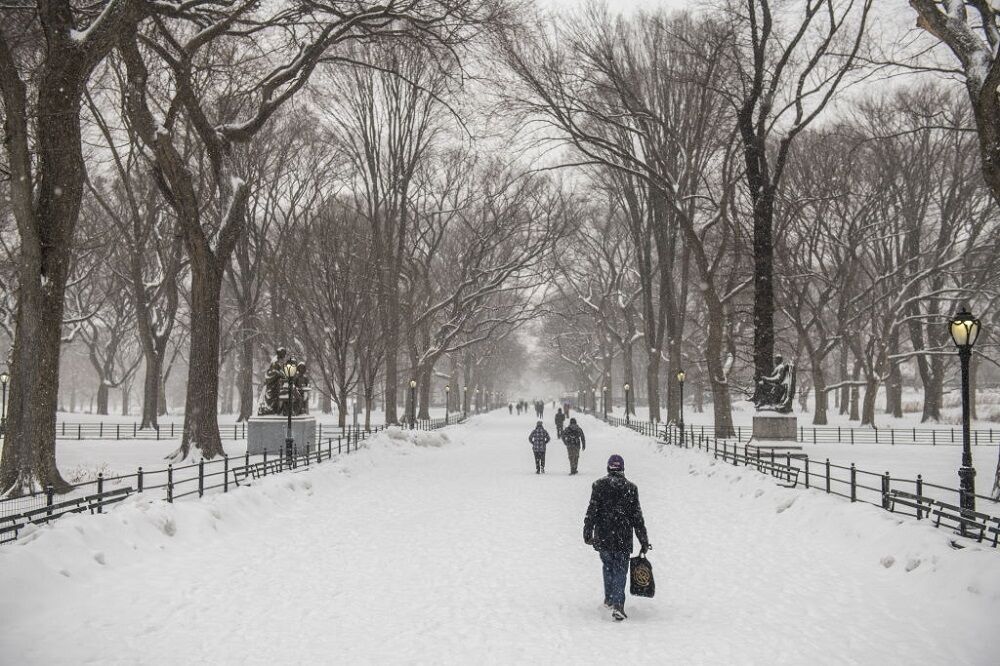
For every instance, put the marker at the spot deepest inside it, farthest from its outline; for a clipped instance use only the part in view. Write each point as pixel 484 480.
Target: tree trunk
pixel 819 391
pixel 652 387
pixel 126 398
pixel 628 374
pixel 102 398
pixel 844 393
pixel 894 391
pixel 341 409
pixel 161 403
pixel 855 393
pixel 868 407
pixel 201 421
pixel 245 383
pixel 933 390
pixel 424 379
pixel 721 402
pixel 763 281
pixel 151 391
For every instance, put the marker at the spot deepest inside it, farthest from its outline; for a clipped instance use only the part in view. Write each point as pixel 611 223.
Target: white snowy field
pixel 446 548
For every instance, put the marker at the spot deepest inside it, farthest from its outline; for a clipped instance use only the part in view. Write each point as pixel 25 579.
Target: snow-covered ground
pixel 445 547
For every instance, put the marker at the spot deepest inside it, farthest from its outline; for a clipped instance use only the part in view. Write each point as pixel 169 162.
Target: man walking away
pixel 539 437
pixel 510 408
pixel 560 419
pixel 574 439
pixel 614 513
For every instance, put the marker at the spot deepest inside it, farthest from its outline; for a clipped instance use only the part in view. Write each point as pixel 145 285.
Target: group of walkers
pixel 572 437
pixel 521 406
pixel 614 512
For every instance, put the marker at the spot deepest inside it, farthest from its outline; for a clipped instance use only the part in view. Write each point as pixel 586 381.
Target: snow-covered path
pixel 461 554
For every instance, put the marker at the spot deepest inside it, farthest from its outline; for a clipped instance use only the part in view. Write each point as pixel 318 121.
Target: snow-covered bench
pixel 258 469
pixel 974 523
pixel 10 526
pixel 922 505
pixel 789 474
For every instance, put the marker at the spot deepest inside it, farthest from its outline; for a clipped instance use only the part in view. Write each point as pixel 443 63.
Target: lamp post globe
pixel 964 329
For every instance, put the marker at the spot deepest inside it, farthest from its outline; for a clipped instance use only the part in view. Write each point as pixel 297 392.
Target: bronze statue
pixel 776 391
pixel 278 396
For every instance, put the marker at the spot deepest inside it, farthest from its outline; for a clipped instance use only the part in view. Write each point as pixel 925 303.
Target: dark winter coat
pixel 613 514
pixel 573 436
pixel 539 437
pixel 560 418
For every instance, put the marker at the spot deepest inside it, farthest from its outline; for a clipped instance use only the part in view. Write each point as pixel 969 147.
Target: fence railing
pixel 829 434
pixel 66 430
pixel 847 481
pixel 199 478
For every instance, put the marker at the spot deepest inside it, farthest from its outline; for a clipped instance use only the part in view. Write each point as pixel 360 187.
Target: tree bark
pixel 102 398
pixel 819 390
pixel 245 384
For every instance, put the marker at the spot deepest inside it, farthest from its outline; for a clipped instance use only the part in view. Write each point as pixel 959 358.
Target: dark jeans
pixel 539 461
pixel 615 567
pixel 574 457
pixel 559 430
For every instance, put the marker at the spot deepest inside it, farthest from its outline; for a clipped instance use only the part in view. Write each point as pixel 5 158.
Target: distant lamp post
pixel 447 402
pixel 4 378
pixel 680 420
pixel 964 329
pixel 479 403
pixel 604 401
pixel 628 405
pixel 465 401
pixel 413 402
pixel 289 372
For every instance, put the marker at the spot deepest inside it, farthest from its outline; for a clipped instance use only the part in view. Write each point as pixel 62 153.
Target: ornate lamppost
pixel 4 378
pixel 289 372
pixel 680 420
pixel 447 402
pixel 593 399
pixel 628 405
pixel 964 329
pixel 479 403
pixel 413 403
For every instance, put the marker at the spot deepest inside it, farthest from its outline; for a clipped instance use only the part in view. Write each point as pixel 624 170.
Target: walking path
pixel 456 552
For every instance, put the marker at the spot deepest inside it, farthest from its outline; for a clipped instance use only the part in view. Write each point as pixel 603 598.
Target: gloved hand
pixel 588 540
pixel 645 547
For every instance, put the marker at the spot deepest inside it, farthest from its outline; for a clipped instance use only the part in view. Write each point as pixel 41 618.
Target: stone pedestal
pixel 268 432
pixel 777 427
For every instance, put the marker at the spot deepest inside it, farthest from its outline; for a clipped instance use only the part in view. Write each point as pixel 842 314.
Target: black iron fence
pixel 793 466
pixel 828 434
pixel 66 430
pixel 176 482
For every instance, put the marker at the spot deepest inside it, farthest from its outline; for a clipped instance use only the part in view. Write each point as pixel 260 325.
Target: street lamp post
pixel 593 399
pixel 447 402
pixel 680 420
pixel 628 406
pixel 465 401
pixel 604 401
pixel 413 403
pixel 479 403
pixel 964 329
pixel 4 378
pixel 290 370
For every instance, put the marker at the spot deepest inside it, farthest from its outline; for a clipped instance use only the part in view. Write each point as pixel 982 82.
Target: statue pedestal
pixel 268 432
pixel 777 427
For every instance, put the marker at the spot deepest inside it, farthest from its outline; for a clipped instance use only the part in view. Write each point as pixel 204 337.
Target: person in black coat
pixel 560 419
pixel 539 437
pixel 574 439
pixel 614 513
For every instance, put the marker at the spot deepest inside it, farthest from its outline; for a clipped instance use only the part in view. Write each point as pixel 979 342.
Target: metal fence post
pixel 48 499
pixel 885 491
pixel 920 494
pixel 265 461
pixel 118 431
pixel 138 480
pixel 201 478
pixel 854 483
pixel 170 482
pixel 100 489
pixel 827 476
pixel 225 474
pixel 807 471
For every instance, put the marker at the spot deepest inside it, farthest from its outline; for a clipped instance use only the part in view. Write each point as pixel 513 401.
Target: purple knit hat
pixel 616 463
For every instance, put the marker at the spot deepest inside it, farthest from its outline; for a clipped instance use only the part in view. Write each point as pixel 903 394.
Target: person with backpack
pixel 574 440
pixel 613 514
pixel 560 419
pixel 539 437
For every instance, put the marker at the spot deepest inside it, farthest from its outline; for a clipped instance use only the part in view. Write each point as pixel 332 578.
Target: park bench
pixel 995 531
pixel 10 526
pixel 772 451
pixel 972 521
pixel 922 505
pixel 257 470
pixel 786 473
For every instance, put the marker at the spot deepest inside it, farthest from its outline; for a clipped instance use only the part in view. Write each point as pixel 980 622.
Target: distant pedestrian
pixel 614 513
pixel 574 440
pixel 566 408
pixel 541 409
pixel 560 419
pixel 510 408
pixel 539 437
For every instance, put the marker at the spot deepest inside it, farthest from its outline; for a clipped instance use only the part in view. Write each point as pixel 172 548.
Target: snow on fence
pixel 125 431
pixel 912 497
pixel 174 483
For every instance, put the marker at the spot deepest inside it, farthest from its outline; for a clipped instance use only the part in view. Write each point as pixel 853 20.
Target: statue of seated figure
pixel 776 391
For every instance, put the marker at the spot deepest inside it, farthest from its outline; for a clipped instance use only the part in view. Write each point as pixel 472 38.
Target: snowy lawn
pixel 452 550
